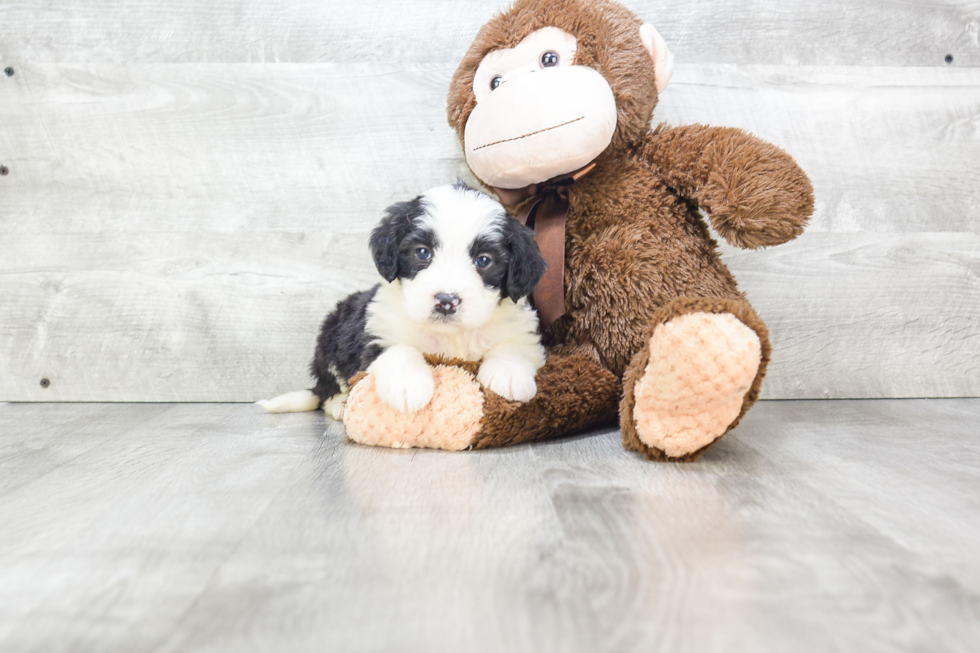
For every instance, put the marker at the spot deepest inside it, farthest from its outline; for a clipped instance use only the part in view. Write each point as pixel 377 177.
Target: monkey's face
pixel 550 85
pixel 538 115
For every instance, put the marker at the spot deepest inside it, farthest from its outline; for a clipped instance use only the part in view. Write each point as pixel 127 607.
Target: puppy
pixel 456 270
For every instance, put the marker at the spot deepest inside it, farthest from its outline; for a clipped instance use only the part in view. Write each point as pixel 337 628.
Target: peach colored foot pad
pixel 701 365
pixel 450 421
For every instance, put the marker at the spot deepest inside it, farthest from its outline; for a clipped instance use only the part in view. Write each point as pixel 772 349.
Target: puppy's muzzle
pixel 447 304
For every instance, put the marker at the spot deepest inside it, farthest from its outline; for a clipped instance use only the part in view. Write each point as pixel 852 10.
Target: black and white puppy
pixel 457 270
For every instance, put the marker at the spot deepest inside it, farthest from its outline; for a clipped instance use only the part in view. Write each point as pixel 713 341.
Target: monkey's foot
pixel 449 421
pixel 699 368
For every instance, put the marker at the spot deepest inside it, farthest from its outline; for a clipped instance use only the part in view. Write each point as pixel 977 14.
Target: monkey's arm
pixel 754 193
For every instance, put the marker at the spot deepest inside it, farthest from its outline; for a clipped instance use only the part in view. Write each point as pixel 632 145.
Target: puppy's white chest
pixel 467 345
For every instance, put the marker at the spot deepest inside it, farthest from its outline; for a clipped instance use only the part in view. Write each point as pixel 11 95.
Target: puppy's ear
pixel 526 265
pixel 387 237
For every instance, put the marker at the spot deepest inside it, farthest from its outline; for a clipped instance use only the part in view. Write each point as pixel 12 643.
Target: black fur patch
pixel 409 264
pixel 343 344
pixel 517 264
pixel 526 265
pixel 494 246
pixel 387 237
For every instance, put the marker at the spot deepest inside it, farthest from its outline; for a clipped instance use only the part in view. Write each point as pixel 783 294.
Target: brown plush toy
pixel 642 320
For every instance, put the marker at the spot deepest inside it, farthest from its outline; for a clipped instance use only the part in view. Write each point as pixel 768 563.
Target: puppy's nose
pixel 447 304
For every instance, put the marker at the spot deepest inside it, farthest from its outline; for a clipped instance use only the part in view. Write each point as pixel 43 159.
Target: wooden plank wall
pixel 191 184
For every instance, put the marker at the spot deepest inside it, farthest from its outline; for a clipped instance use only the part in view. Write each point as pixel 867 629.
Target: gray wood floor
pixel 819 525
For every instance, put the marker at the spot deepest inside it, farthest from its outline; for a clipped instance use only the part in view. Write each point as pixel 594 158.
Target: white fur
pixel 507 344
pixel 501 334
pixel 511 378
pixel 511 324
pixel 457 217
pixel 334 406
pixel 402 378
pixel 299 401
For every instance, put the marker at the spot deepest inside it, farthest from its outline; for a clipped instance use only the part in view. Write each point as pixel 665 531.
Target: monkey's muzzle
pixel 540 125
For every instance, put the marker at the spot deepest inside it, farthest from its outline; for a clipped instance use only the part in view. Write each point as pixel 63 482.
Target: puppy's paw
pixel 407 390
pixel 334 407
pixel 512 380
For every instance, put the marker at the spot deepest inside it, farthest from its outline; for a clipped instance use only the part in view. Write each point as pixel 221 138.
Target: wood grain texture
pixel 295 147
pixel 845 526
pixel 31 449
pixel 176 232
pixel 122 513
pixel 838 32
pixel 172 317
pixel 887 149
pixel 868 315
pixel 219 148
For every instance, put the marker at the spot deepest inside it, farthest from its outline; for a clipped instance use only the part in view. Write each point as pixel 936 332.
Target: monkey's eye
pixel 549 59
pixel 495 82
pixel 483 261
pixel 423 254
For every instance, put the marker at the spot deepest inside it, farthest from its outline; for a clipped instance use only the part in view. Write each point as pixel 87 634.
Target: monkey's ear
pixel 663 58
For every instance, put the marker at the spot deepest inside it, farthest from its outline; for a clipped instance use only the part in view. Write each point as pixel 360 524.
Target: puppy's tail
pixel 299 401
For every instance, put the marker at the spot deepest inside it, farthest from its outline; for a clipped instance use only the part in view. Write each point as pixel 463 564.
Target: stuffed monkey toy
pixel 643 322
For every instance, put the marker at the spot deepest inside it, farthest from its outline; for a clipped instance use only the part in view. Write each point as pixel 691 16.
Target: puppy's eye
pixel 549 59
pixel 483 261
pixel 423 254
pixel 495 82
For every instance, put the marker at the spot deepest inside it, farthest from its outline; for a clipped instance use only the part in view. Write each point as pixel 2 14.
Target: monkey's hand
pixel 754 193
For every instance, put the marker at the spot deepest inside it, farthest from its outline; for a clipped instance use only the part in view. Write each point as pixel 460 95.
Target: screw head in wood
pixel 8 71
pixel 4 170
pixel 45 383
pixel 949 58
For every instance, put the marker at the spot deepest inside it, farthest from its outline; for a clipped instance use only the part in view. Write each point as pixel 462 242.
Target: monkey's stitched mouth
pixel 517 138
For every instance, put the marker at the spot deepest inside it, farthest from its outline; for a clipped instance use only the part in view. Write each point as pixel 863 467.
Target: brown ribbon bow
pixel 546 213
